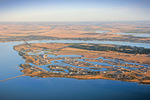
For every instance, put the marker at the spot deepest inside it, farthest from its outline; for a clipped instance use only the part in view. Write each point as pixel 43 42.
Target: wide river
pixel 32 88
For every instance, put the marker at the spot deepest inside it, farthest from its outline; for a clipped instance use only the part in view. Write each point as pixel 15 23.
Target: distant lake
pixel 101 31
pixel 33 88
pixel 134 34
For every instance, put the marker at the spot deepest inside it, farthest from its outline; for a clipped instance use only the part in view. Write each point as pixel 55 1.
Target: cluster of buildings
pixel 83 67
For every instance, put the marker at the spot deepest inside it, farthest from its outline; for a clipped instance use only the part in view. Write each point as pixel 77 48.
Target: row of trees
pixel 125 49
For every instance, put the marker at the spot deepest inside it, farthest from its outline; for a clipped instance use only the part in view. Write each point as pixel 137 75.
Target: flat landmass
pixel 86 61
pixel 102 31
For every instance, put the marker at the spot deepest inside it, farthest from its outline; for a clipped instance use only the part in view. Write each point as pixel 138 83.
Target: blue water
pixel 145 45
pixel 101 31
pixel 33 88
pixel 58 56
pixel 134 34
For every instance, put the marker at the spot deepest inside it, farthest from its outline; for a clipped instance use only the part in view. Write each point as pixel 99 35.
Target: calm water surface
pixel 133 34
pixel 30 88
pixel 145 45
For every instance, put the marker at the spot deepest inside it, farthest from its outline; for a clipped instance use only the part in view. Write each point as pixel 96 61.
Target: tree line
pixel 124 49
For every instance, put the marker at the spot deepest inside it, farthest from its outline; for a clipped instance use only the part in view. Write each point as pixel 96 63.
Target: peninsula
pixel 86 61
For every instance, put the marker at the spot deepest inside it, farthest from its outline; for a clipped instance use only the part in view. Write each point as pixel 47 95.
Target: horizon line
pixel 79 21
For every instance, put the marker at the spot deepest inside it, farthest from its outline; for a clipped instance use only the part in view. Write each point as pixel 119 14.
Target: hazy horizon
pixel 74 10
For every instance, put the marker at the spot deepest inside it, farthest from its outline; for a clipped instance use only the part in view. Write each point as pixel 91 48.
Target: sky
pixel 74 10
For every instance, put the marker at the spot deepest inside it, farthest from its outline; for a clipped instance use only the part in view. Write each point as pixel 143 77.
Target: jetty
pixel 12 78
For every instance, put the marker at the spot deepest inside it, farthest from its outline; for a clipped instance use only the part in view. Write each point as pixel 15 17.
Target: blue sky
pixel 74 10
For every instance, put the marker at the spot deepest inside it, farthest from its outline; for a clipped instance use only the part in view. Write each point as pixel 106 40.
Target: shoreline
pixel 78 39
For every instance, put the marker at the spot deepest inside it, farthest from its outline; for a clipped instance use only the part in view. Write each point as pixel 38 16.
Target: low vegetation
pixel 124 49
